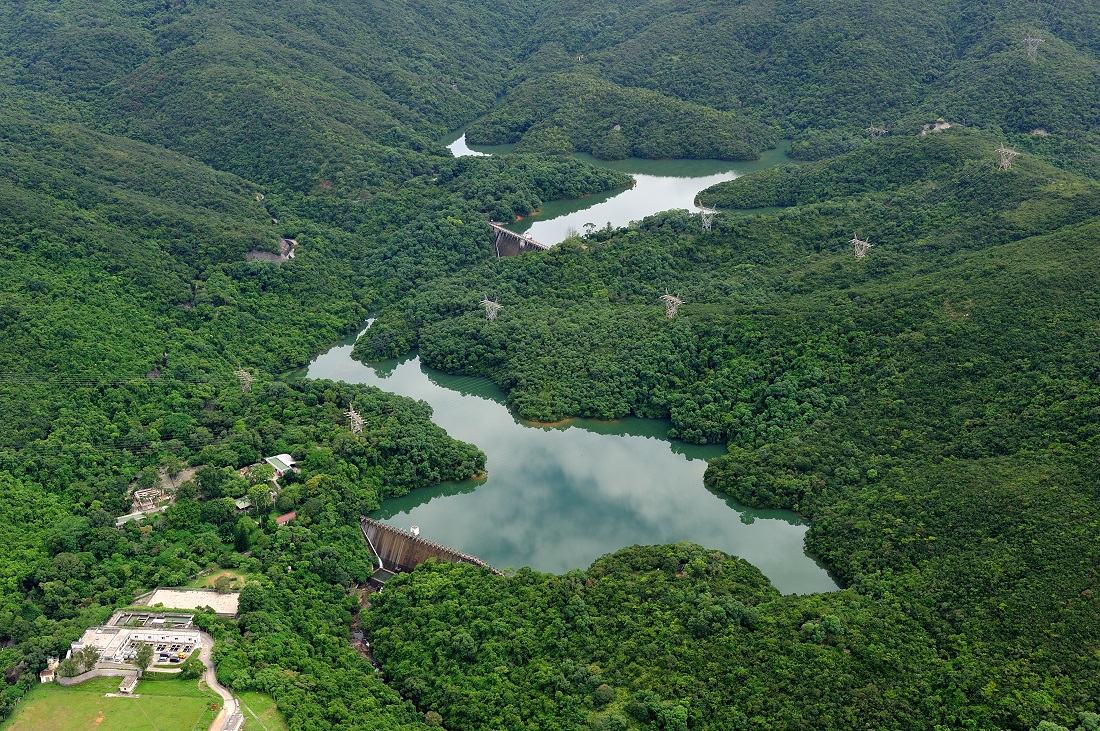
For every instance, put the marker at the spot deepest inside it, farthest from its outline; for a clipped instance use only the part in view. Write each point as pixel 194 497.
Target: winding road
pixel 210 677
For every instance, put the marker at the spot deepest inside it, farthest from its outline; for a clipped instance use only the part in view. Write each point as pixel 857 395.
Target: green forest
pixel 931 408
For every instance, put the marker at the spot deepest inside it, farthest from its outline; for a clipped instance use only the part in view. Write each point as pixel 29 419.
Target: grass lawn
pixel 260 712
pixel 237 579
pixel 164 705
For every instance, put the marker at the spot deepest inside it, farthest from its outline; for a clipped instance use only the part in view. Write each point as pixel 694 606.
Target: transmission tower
pixel 876 132
pixel 1033 46
pixel 672 304
pixel 491 308
pixel 1007 156
pixel 246 379
pixel 355 420
pixel 707 218
pixel 860 246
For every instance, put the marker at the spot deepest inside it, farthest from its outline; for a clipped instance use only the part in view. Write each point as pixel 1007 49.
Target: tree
pixel 87 657
pixel 242 533
pixel 143 657
pixel 192 667
pixel 260 495
pixel 222 584
pixel 173 466
pixel 147 478
pixel 261 474
pixel 252 599
pixel 603 695
pixel 68 668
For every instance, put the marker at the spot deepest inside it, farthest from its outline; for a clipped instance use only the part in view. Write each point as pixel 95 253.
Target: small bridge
pixel 398 550
pixel 509 243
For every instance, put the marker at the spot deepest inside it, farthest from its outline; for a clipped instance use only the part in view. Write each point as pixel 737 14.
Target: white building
pixel 282 463
pixel 48 675
pixel 170 635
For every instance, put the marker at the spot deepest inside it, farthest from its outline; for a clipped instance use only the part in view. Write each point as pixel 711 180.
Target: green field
pixel 163 705
pixel 260 711
pixel 206 581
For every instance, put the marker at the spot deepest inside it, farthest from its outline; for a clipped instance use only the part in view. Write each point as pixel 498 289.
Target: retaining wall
pixel 96 673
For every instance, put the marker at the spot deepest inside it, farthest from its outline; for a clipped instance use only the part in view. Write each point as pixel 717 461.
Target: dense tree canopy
pixel 933 408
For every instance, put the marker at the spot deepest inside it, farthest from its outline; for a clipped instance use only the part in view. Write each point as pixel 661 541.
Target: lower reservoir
pixel 558 497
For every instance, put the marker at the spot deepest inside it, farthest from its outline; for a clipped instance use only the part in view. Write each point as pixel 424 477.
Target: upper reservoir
pixel 660 185
pixel 557 498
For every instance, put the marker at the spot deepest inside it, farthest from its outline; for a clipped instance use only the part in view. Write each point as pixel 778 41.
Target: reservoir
pixel 660 185
pixel 558 497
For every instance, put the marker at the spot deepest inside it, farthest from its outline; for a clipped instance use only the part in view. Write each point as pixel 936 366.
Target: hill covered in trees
pixel 932 407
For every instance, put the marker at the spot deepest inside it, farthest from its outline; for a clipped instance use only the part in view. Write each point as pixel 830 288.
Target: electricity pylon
pixel 672 304
pixel 707 218
pixel 1033 46
pixel 860 246
pixel 1007 156
pixel 491 308
pixel 876 132
pixel 355 420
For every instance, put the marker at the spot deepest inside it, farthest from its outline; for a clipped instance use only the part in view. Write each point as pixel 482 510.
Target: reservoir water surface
pixel 660 185
pixel 558 497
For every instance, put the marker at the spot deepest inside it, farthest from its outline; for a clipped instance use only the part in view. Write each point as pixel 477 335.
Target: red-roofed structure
pixel 286 518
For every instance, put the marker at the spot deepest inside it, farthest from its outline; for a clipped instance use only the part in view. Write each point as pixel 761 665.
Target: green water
pixel 660 185
pixel 558 497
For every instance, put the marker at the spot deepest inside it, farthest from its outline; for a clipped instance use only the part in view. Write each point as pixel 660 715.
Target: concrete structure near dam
pixel 399 550
pixel 509 243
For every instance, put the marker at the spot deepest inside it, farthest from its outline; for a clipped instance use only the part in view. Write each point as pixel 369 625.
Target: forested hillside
pixel 566 113
pixel 932 408
pixel 823 72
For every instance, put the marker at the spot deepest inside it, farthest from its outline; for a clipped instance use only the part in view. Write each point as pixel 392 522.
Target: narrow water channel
pixel 556 498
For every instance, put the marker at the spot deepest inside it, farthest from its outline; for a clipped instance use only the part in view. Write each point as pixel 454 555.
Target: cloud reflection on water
pixel 557 498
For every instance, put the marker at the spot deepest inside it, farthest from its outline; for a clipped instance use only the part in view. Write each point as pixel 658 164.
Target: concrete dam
pixel 399 550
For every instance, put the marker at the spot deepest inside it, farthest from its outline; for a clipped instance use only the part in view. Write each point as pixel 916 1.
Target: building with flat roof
pixel 119 644
pixel 139 515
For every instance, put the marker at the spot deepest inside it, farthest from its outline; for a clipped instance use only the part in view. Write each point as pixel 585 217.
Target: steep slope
pixel 824 72
pixel 302 93
pixel 932 407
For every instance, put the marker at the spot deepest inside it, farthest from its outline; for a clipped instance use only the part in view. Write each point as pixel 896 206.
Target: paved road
pixel 211 679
